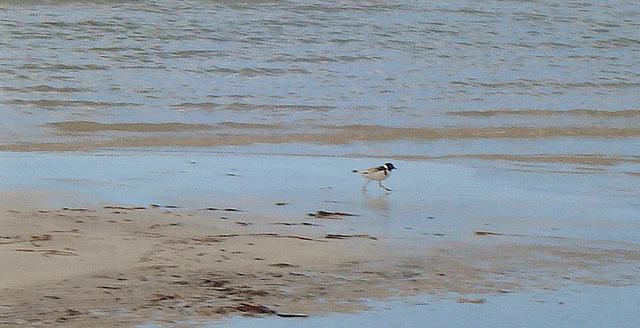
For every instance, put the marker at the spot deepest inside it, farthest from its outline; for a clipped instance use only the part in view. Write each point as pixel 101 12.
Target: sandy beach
pixel 127 265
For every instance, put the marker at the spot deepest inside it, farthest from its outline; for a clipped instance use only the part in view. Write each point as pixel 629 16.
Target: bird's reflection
pixel 378 204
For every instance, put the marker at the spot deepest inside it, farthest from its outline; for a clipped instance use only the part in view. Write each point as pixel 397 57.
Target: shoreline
pixel 128 265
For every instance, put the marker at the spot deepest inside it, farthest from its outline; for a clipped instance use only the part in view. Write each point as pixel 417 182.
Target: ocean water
pixel 519 116
pixel 548 76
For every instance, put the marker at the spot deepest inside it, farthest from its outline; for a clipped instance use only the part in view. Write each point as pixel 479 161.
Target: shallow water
pixel 451 197
pixel 578 306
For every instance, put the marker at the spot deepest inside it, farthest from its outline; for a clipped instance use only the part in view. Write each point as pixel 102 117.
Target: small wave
pixel 549 112
pixel 63 67
pixel 577 159
pixel 343 40
pixel 318 59
pixel 572 159
pixel 208 106
pixel 192 53
pixel 380 133
pixel 89 126
pixel 197 106
pixel 50 103
pixel 45 88
pixel 236 125
pixel 528 84
pixel 252 72
pixel 618 42
pixel 115 49
pixel 86 126
pixel 314 59
pixel 597 85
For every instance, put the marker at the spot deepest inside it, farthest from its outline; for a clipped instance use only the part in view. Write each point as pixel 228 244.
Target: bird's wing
pixel 377 169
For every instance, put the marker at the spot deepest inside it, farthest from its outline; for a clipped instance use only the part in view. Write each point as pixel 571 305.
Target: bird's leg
pixel 364 188
pixel 383 187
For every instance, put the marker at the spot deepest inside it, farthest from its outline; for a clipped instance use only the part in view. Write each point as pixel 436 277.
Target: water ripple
pixel 406 63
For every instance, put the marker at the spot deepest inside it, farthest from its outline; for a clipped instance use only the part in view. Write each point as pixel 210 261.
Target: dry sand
pixel 115 266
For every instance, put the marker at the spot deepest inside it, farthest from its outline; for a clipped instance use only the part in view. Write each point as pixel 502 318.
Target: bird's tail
pixel 355 171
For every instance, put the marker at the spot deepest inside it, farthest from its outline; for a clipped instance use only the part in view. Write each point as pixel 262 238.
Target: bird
pixel 377 173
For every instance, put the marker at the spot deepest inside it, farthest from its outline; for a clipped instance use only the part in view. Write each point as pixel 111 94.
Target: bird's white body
pixel 377 173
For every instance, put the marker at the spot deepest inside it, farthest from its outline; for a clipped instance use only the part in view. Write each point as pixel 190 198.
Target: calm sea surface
pixel 299 68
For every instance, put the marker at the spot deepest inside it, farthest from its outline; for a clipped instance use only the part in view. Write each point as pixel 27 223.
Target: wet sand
pixel 232 235
pixel 128 265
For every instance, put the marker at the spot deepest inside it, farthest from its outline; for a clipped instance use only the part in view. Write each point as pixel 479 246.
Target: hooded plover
pixel 377 173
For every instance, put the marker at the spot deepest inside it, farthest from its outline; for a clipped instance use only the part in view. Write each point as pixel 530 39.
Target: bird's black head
pixel 390 166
